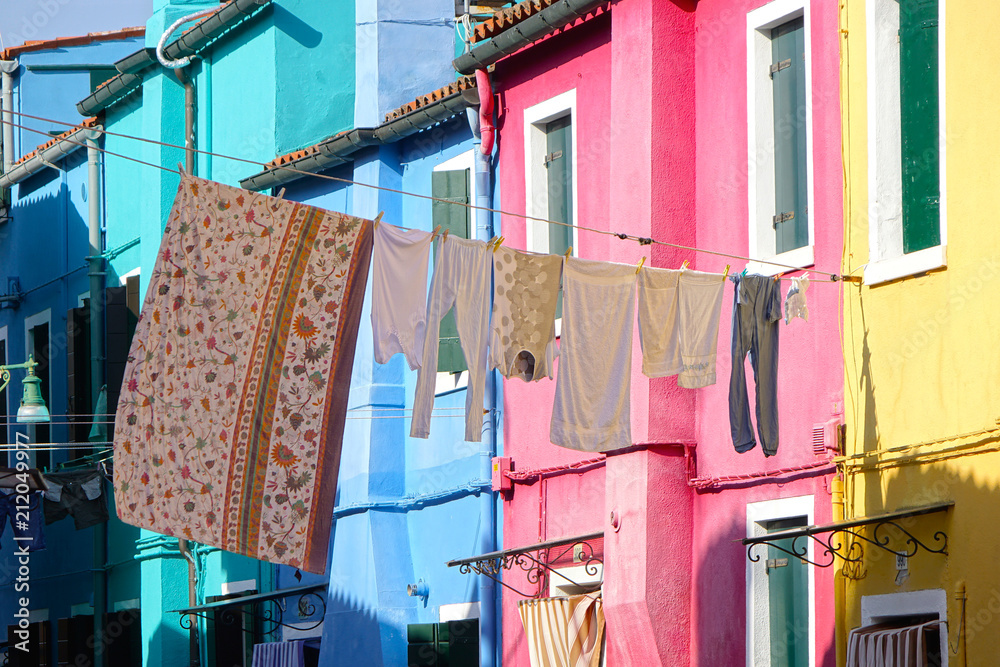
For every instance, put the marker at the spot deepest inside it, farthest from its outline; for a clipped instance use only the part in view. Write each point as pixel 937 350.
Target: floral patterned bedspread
pixel 231 417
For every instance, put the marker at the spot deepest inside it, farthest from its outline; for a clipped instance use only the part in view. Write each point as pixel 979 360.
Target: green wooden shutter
pixel 918 103
pixel 788 600
pixel 788 75
pixel 559 182
pixel 450 644
pixel 454 187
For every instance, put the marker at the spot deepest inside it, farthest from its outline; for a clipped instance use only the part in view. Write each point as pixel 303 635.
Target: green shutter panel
pixel 454 187
pixel 918 103
pixel 788 601
pixel 788 75
pixel 559 182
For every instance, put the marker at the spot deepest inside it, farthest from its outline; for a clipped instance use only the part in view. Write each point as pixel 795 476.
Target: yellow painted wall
pixel 922 354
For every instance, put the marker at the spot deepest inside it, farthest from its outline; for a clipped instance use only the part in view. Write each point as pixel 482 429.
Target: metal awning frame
pixel 844 540
pixel 535 560
pixel 234 610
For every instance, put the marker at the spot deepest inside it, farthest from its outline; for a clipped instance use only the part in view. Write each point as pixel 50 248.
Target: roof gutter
pixel 339 149
pixel 551 18
pixel 188 44
pixel 45 158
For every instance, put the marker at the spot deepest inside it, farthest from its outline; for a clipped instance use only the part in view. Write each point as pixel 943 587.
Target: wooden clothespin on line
pixel 378 219
pixel 569 251
pixel 180 169
pixel 500 239
pixel 726 274
pixel 684 265
pixel 641 262
pixel 280 194
pixel 437 230
pixel 444 237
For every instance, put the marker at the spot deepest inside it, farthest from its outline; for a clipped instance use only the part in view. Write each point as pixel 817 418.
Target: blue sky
pixel 25 20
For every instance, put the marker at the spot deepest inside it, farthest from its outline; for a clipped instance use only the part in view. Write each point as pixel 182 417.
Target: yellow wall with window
pixel 922 346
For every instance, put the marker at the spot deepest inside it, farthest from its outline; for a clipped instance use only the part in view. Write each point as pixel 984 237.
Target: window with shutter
pixel 779 179
pixel 449 644
pixel 452 186
pixel 78 399
pixel 550 168
pixel 918 105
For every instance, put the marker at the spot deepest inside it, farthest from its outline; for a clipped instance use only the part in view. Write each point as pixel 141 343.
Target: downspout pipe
pixel 7 69
pixel 489 629
pixel 553 17
pixel 97 281
pixel 190 111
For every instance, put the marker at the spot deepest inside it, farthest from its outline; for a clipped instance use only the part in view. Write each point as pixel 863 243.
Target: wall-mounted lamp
pixel 418 590
pixel 32 408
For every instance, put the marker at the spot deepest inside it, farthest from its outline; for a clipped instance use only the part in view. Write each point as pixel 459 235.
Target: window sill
pixel 800 258
pixel 886 270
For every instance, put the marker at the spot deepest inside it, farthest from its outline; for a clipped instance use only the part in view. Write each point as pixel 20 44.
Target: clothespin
pixel 777 276
pixel 378 219
pixel 641 262
pixel 497 244
pixel 726 274
pixel 281 194
pixel 685 265
pixel 569 251
pixel 180 169
pixel 436 231
pixel 444 237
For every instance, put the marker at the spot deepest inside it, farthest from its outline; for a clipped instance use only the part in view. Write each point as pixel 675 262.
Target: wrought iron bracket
pixel 536 561
pixel 847 539
pixel 268 608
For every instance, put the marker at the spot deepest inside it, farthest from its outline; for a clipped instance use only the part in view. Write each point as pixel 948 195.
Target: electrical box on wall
pixel 501 465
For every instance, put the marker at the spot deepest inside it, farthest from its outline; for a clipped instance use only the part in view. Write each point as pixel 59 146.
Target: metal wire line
pixel 623 236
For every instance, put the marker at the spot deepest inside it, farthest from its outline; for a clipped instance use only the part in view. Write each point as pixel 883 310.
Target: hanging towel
pixel 399 292
pixel 795 300
pixel 679 314
pixel 591 409
pixel 24 512
pixel 564 632
pixel 883 645
pixel 280 654
pixel 523 329
pixel 231 418
pixel 461 279
pixel 76 493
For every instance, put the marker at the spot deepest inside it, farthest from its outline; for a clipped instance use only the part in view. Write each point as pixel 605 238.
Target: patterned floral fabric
pixel 231 415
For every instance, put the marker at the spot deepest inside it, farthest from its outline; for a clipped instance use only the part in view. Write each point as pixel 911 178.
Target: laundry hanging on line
pixel 76 493
pixel 24 514
pixel 231 418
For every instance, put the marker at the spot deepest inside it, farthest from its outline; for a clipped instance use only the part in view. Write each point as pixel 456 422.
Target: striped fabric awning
pixel 564 632
pixel 884 645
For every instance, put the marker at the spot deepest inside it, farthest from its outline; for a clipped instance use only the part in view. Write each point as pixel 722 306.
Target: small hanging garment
pixel 795 300
pixel 523 333
pixel 591 409
pixel 756 313
pixel 461 279
pixel 280 654
pixel 24 512
pixel 399 292
pixel 231 418
pixel 563 632
pixel 77 493
pixel 679 314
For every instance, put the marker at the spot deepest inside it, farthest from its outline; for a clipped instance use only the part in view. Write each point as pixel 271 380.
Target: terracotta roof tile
pixel 465 83
pixel 90 122
pixel 508 17
pixel 63 42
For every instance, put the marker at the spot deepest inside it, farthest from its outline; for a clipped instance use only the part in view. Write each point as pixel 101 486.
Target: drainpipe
pixel 7 69
pixel 190 109
pixel 490 631
pixel 97 277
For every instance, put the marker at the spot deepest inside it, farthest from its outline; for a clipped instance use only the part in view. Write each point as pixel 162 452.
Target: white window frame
pixel 760 134
pixel 758 620
pixel 448 382
pixel 123 279
pixel 536 192
pixel 885 198
pixel 880 608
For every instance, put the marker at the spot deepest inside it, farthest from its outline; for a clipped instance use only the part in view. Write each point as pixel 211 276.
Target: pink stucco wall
pixel 662 131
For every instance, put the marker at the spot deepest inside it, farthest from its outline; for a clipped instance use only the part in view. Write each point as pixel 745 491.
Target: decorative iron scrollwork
pixel 536 561
pixel 267 609
pixel 846 540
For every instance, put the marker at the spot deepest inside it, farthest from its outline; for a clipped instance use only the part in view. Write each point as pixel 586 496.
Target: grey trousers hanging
pixel 756 313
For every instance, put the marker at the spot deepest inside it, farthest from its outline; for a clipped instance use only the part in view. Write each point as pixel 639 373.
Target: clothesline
pixel 834 277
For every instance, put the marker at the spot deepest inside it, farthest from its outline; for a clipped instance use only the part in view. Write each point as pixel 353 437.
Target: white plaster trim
pixel 885 199
pixel 445 382
pixel 910 264
pixel 760 134
pixel 758 621
pixel 536 202
pixel 879 608
pixel 42 317
pixel 461 611
pixel 231 587
pixel 566 581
